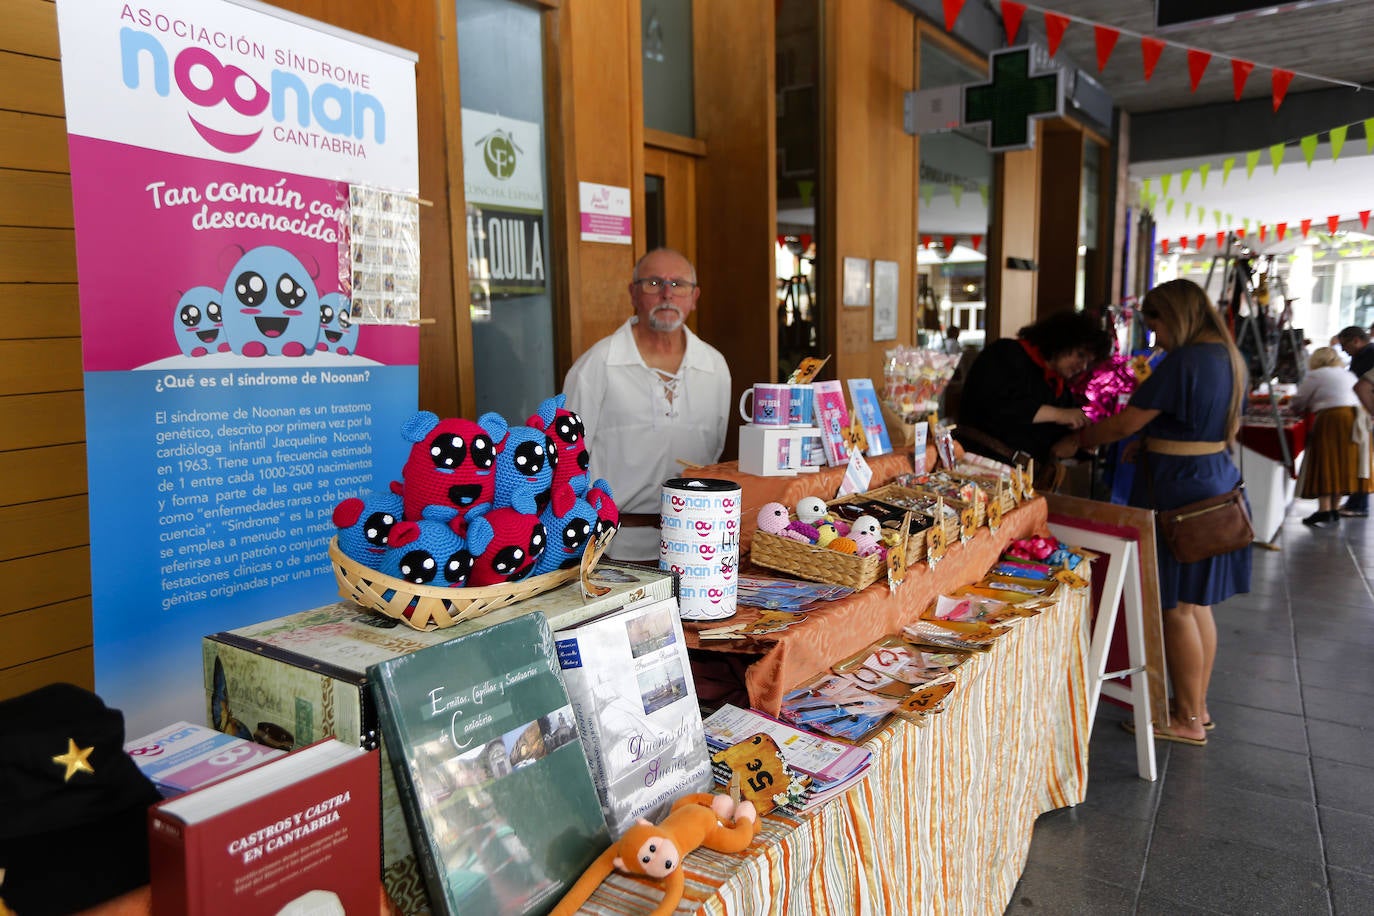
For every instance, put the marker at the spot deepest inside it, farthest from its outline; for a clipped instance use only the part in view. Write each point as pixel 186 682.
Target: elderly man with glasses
pixel 652 396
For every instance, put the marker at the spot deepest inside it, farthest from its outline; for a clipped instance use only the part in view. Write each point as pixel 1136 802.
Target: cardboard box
pixel 303 677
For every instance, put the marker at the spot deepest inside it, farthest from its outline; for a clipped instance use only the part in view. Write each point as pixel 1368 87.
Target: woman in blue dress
pixel 1189 409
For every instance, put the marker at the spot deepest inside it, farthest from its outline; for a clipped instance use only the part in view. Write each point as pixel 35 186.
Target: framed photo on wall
pixel 856 282
pixel 886 276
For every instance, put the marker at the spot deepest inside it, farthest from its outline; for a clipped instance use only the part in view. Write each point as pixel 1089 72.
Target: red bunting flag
pixel 1055 24
pixel 1201 240
pixel 1197 65
pixel 925 241
pixel 977 241
pixel 1280 230
pixel 1164 246
pixel 952 10
pixel 1240 72
pixel 1150 49
pixel 1332 224
pixel 1221 239
pixel 1306 225
pixel 1279 80
pixel 1105 37
pixel 948 242
pixel 1264 230
pixel 1240 233
pixel 1011 19
pixel 1364 219
pixel 1183 243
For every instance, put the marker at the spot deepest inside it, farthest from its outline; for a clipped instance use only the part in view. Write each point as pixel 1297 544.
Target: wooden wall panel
pixel 30 27
pixel 38 420
pixel 38 310
pixel 37 255
pixel 1015 234
pixel 37 142
pixel 44 632
pixel 733 43
pixel 869 189
pixel 39 527
pixel 35 199
pixel 32 84
pixel 73 667
pixel 33 366
pixel 45 578
pixel 1061 180
pixel 27 475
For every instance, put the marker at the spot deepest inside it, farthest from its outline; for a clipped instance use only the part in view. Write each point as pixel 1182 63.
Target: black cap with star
pixel 74 826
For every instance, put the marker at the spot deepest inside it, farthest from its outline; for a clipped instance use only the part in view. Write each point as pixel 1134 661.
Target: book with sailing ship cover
pixel 630 683
pixel 501 807
pixel 299 834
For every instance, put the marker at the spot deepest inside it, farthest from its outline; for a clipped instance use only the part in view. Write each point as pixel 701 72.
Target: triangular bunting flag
pixel 1164 182
pixel 1055 24
pixel 1145 189
pixel 1221 239
pixel 1183 243
pixel 1164 246
pixel 952 10
pixel 1306 226
pixel 1105 37
pixel 956 191
pixel 1187 209
pixel 1309 148
pixel 1280 230
pixel 1150 49
pixel 1202 172
pixel 1201 240
pixel 927 192
pixel 948 242
pixel 925 241
pixel 1369 135
pixel 1338 140
pixel 1226 165
pixel 1276 156
pixel 1364 219
pixel 977 241
pixel 983 193
pixel 1240 72
pixel 1168 206
pixel 1240 233
pixel 1246 223
pixel 1184 177
pixel 1251 160
pixel 1264 230
pixel 1333 223
pixel 1197 65
pixel 1011 19
pixel 1217 215
pixel 1229 219
pixel 1279 81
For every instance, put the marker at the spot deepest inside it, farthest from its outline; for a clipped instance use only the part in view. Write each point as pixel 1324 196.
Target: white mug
pixel 771 404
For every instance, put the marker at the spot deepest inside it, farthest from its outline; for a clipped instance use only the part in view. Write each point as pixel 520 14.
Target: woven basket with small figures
pixel 427 607
pixel 816 564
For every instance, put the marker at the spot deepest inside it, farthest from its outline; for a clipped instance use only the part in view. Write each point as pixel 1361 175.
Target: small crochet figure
pixel 567 536
pixel 607 513
pixel 505 544
pixel 453 462
pixel 866 533
pixel 564 428
pixel 428 552
pixel 365 522
pixel 774 519
pixel 524 470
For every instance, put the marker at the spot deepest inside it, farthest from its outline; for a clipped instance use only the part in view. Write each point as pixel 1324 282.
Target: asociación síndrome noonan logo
pixel 500 153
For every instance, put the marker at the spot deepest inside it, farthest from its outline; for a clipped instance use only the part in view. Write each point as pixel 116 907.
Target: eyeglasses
pixel 675 286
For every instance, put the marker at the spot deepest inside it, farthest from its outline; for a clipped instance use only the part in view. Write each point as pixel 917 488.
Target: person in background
pixel 1354 340
pixel 1016 400
pixel 1336 459
pixel 650 395
pixel 1189 409
pixel 950 345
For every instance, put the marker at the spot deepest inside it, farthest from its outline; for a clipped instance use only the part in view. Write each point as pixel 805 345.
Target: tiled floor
pixel 1276 813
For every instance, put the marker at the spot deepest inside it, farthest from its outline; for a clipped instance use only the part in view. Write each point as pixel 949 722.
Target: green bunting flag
pixel 1309 148
pixel 1216 214
pixel 1276 155
pixel 1202 172
pixel 1164 182
pixel 927 193
pixel 983 193
pixel 1185 176
pixel 1369 135
pixel 1338 140
pixel 957 191
pixel 1145 193
pixel 1251 160
pixel 1187 209
pixel 1226 165
pixel 1168 206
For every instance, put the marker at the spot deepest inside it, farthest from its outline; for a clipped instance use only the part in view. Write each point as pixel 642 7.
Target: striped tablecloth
pixel 943 822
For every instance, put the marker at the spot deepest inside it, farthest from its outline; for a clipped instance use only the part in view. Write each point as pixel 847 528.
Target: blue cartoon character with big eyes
pixel 568 533
pixel 365 524
pixel 428 552
pixel 271 307
pixel 524 470
pixel 338 333
pixel 199 322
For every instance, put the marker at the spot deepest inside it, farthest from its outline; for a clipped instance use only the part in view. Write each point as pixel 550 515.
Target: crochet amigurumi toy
pixel 774 519
pixel 568 534
pixel 607 513
pixel 505 544
pixel 452 463
pixel 656 850
pixel 524 470
pixel 428 552
pixel 365 522
pixel 569 438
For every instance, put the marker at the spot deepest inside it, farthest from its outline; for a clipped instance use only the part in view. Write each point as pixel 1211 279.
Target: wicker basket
pixel 915 543
pixel 957 527
pixel 817 564
pixel 431 607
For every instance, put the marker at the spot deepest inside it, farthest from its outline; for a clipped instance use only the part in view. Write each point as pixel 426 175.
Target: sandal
pixel 1128 726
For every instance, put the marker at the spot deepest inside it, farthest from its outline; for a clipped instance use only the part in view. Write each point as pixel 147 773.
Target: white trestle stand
pixel 1122 579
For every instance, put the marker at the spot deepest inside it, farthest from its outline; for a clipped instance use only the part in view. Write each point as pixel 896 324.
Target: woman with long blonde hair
pixel 1189 409
pixel 1337 458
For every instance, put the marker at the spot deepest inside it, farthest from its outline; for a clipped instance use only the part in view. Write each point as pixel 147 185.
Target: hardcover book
pixel 182 756
pixel 832 416
pixel 630 683
pixel 501 807
pixel 870 412
pixel 299 678
pixel 300 834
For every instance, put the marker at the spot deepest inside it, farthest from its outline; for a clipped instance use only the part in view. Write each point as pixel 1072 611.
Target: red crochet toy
pixel 569 438
pixel 655 851
pixel 453 462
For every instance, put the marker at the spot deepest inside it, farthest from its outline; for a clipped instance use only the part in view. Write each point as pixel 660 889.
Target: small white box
pixel 773 451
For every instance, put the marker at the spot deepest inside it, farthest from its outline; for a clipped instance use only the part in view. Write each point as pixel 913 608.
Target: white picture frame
pixel 886 280
pixel 856 282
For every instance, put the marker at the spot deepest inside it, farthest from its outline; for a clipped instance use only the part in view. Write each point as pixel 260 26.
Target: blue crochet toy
pixel 428 552
pixel 365 522
pixel 505 543
pixel 453 462
pixel 568 535
pixel 524 470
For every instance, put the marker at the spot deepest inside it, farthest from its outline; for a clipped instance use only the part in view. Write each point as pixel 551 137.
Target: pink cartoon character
pixel 775 519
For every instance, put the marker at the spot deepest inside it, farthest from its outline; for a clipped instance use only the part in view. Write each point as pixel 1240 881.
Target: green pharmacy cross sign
pixel 1013 98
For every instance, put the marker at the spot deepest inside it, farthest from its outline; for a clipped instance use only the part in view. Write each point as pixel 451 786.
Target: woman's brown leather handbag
pixel 1208 527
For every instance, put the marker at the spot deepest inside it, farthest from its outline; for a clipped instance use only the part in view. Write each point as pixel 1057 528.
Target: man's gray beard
pixel 666 327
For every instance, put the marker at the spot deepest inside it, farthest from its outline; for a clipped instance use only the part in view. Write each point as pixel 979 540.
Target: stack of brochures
pixel 831 767
pixel 786 594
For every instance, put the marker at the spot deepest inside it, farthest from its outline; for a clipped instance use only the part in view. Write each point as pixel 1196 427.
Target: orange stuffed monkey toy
pixel 656 850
